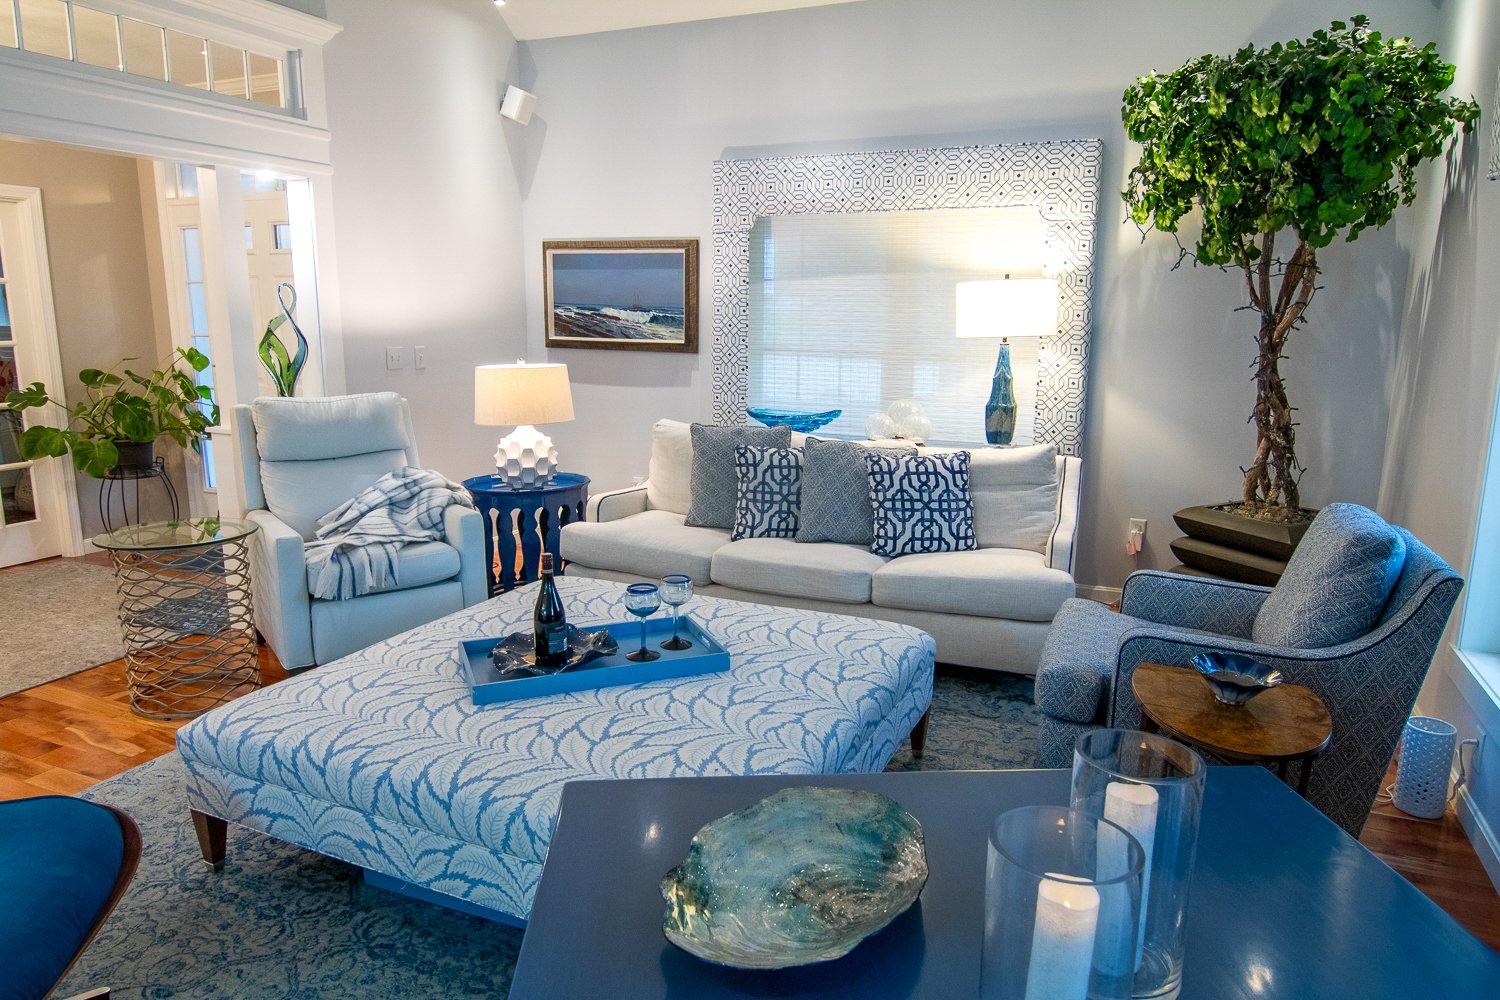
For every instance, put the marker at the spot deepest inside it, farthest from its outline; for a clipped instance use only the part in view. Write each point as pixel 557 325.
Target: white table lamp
pixel 1009 308
pixel 522 395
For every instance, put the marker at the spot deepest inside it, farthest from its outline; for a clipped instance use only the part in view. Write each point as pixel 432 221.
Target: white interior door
pixel 38 502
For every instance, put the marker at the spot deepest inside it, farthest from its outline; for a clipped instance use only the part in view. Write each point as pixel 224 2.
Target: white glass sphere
pixel 918 428
pixel 904 409
pixel 879 425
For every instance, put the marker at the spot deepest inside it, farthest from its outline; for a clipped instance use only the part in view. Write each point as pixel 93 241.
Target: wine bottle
pixel 549 621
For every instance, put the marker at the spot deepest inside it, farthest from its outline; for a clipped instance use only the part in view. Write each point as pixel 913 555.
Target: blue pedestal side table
pixel 536 513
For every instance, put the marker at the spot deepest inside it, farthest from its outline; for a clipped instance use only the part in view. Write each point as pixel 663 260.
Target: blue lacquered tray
pixel 705 656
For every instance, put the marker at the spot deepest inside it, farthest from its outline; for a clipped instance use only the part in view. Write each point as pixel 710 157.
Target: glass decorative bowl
pixel 800 877
pixel 1235 679
pixel 515 655
pixel 801 421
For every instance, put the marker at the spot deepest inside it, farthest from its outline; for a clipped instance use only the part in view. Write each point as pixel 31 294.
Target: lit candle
pixel 1062 942
pixel 1134 808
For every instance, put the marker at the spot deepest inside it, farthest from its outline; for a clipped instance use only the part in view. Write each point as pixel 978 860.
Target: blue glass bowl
pixel 801 421
pixel 1235 679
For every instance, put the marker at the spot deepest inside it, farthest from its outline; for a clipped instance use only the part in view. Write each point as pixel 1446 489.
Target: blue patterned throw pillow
pixel 920 503
pixel 768 493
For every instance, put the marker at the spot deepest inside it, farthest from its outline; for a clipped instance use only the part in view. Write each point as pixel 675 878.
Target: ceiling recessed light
pixel 499 3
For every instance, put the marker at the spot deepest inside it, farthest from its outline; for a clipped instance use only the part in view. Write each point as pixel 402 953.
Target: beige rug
pixel 56 618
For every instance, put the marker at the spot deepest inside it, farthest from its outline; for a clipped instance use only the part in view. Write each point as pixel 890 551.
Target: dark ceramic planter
pixel 1215 523
pixel 134 457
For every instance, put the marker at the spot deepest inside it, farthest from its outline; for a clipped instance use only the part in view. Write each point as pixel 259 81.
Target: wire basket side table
pixel 186 614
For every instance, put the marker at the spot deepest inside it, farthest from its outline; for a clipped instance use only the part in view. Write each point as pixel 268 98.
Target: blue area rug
pixel 281 922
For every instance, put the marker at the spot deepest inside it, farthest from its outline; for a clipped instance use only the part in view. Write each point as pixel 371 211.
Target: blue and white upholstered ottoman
pixel 381 759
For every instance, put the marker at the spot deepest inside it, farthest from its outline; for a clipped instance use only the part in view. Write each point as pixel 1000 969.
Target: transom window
pixel 92 37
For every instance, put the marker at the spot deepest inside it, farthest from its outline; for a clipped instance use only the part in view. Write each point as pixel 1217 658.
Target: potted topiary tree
pixel 1314 140
pixel 122 414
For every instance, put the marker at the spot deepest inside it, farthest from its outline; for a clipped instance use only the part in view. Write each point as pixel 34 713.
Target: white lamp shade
pixel 514 395
pixel 1013 307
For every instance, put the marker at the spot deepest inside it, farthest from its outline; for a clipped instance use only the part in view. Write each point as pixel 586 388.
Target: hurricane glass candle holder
pixel 1062 901
pixel 1153 787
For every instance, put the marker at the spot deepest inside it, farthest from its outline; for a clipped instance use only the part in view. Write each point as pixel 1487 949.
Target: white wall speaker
pixel 518 104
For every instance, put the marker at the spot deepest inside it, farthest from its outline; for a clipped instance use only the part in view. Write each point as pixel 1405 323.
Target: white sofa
pixel 990 607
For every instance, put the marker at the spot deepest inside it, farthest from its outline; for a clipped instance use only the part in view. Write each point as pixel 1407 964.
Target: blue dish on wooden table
pixel 1235 678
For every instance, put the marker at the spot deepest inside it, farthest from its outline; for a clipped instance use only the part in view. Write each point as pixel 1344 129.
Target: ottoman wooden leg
pixel 919 735
pixel 213 834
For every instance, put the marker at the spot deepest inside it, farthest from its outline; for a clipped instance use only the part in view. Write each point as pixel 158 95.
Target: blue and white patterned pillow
pixel 768 492
pixel 921 503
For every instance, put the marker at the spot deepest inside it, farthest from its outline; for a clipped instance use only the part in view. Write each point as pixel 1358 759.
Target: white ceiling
pixel 531 19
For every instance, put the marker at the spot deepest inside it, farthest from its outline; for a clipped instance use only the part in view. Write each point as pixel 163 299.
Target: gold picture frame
pixel 621 295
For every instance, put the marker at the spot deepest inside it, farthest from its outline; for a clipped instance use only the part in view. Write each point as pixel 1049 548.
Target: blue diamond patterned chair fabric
pixel 1369 678
pixel 301 458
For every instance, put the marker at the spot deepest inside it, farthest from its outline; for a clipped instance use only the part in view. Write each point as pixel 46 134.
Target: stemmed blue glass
pixel 676 590
pixel 642 600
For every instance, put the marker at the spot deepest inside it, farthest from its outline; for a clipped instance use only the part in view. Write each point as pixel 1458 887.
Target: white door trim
pixel 46 356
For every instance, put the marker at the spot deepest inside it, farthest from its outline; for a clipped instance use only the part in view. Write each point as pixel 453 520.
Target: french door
pixel 38 500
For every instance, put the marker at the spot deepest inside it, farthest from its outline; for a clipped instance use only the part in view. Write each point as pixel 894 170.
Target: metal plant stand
pixel 186 614
pixel 113 491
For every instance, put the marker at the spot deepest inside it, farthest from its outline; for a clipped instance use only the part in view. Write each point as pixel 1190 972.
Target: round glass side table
pixel 186 614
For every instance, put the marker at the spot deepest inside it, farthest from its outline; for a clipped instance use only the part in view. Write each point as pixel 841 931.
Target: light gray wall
pixel 629 123
pixel 426 209
pixel 1443 401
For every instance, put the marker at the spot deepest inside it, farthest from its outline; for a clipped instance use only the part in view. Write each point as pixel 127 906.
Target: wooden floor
pixel 64 736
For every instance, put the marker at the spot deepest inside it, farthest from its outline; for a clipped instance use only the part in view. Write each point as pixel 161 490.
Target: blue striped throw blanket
pixel 354 549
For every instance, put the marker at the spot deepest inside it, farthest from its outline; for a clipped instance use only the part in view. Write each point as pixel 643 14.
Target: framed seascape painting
pixel 626 295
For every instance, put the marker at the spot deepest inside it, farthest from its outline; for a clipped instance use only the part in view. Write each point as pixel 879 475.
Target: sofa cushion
pixel 670 474
pixel 993 583
pixel 417 565
pixel 650 544
pixel 768 492
pixel 1336 583
pixel 920 503
pixel 782 566
pixel 713 480
pixel 836 492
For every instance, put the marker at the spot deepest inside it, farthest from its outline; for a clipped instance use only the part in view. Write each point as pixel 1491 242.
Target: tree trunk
pixel 1271 480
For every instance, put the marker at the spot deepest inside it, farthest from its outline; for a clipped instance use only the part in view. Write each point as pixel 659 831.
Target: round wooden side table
pixel 1285 724
pixel 185 611
pixel 535 513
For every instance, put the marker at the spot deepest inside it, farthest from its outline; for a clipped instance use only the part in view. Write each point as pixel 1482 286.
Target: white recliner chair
pixel 301 458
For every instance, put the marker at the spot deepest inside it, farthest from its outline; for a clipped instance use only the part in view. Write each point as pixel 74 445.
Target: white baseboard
pixel 1481 835
pixel 1104 595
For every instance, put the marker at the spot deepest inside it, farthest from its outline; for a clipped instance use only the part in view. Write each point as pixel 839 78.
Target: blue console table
pixel 537 514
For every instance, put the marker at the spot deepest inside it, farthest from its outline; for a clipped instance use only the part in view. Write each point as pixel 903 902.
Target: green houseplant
pixel 1317 140
pixel 119 409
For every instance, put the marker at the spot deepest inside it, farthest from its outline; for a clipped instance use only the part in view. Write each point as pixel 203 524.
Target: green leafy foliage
pixel 119 408
pixel 1321 136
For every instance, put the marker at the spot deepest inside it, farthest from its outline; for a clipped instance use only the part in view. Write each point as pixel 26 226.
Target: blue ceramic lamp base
pixel 1000 411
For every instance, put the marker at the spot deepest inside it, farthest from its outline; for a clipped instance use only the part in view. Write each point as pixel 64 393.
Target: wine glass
pixel 676 590
pixel 642 599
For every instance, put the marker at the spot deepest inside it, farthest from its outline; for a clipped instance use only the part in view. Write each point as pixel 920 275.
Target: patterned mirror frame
pixel 1059 179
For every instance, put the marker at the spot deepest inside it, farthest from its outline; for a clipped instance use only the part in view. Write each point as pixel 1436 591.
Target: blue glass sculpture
pixel 801 421
pixel 1234 678
pixel 802 876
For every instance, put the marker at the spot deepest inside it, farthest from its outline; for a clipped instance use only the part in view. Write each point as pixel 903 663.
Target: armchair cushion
pixel 1078 661
pixel 300 492
pixel 1224 607
pixel 1337 582
pixel 417 565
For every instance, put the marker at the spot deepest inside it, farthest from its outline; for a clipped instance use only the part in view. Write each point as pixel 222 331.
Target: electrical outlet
pixel 1138 524
pixel 395 358
pixel 419 358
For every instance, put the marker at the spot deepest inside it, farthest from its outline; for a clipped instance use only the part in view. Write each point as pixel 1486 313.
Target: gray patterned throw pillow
pixel 836 491
pixel 921 504
pixel 769 492
pixel 713 478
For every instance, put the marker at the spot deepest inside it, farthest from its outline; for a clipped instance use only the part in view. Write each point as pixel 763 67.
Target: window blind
pixel 856 311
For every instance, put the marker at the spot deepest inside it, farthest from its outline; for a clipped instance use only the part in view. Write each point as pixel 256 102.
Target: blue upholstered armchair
pixel 301 458
pixel 1356 618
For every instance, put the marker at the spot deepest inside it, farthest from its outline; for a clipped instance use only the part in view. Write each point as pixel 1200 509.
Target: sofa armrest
pixel 278 581
pixel 1223 607
pixel 615 504
pixel 463 528
pixel 1069 493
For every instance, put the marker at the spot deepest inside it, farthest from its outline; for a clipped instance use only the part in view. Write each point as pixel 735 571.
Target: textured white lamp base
pixel 525 457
